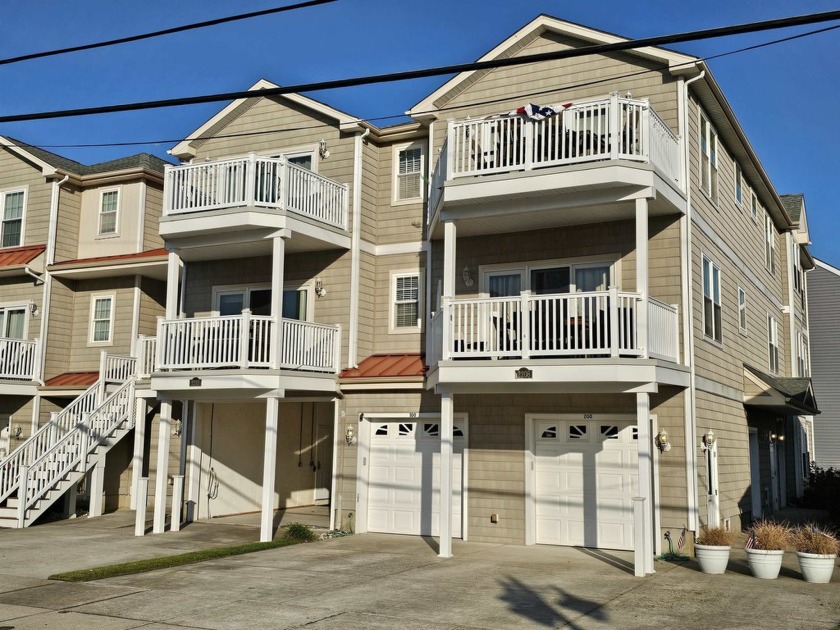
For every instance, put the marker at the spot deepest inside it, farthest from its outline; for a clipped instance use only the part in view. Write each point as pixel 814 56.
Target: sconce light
pixel 350 436
pixel 709 439
pixel 320 291
pixel 662 441
pixel 33 309
pixel 18 433
pixel 781 437
pixel 467 277
pixel 176 428
pixel 322 149
pixel 773 436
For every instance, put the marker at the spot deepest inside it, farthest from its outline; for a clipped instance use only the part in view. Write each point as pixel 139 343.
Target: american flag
pixel 750 541
pixel 537 112
pixel 681 541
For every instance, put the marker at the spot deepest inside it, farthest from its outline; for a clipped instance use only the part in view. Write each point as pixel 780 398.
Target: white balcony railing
pixel 244 341
pixel 146 349
pixel 255 181
pixel 592 324
pixel 17 359
pixel 607 129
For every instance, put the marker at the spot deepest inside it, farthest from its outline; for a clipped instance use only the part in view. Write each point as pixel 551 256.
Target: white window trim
pixel 11 191
pixel 769 239
pixel 93 299
pixel 754 206
pixel 298 151
pixel 26 305
pixel 803 353
pixel 712 263
pixel 219 290
pixel 713 193
pixel 773 335
pixel 743 329
pixel 739 179
pixel 116 232
pixel 395 169
pixel 611 260
pixel 392 301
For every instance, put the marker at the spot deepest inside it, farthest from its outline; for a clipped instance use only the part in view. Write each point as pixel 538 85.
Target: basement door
pixel 585 478
pixel 404 481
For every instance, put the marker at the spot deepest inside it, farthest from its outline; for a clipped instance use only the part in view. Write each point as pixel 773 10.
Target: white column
pixel 447 405
pixel 137 455
pixel 278 257
pixel 642 271
pixel 173 270
pixel 449 240
pixel 645 474
pixel 70 501
pixel 97 487
pixel 272 416
pixel 193 469
pixel 140 514
pixel 162 472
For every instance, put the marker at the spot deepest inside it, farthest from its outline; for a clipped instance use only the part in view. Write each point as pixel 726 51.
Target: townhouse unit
pixel 83 276
pixel 563 305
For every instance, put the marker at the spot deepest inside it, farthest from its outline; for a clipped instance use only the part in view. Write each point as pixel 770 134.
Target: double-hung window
pixel 12 225
pixel 109 204
pixel 257 299
pixel 708 159
pixel 742 310
pixel 408 173
pixel 773 343
pixel 803 359
pixel 739 185
pixel 798 276
pixel 754 208
pixel 406 300
pixel 769 244
pixel 712 324
pixel 101 318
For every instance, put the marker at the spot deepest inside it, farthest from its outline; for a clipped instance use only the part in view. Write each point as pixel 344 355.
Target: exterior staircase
pixel 64 450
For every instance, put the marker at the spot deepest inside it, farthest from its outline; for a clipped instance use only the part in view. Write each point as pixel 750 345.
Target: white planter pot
pixel 712 558
pixel 765 563
pixel 816 568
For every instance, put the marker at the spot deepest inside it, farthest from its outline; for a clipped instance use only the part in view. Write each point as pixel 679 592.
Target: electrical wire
pixel 167 31
pixel 392 77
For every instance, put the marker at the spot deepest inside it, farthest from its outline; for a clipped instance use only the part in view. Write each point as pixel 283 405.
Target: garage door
pixel 586 475
pixel 404 482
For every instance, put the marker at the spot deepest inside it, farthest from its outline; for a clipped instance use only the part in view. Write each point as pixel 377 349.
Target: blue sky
pixel 785 96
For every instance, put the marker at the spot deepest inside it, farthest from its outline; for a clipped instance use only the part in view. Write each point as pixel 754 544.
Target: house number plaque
pixel 524 373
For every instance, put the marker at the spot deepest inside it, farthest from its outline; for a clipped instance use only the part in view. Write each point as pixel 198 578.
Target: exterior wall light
pixel 709 439
pixel 322 149
pixel 320 291
pixel 662 441
pixel 350 437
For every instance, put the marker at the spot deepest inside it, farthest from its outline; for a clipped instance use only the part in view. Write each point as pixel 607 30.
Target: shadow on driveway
pixel 524 601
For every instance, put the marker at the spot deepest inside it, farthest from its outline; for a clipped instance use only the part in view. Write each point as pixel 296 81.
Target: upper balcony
pixel 250 197
pixel 596 154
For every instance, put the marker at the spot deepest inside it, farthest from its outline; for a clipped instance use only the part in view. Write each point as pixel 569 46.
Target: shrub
pixel 770 536
pixel 809 538
pixel 715 536
pixel 300 532
pixel 823 491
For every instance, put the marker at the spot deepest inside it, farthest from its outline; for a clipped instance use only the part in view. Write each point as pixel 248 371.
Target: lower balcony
pixel 18 359
pixel 592 336
pixel 242 346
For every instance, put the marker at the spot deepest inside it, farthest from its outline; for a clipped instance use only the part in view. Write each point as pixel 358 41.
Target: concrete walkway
pixel 379 581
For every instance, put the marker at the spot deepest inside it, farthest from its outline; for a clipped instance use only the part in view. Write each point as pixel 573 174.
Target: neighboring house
pixel 824 306
pixel 84 273
pixel 491 322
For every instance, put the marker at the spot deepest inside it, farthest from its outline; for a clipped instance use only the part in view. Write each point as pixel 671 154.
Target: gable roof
pixel 346 122
pixel 676 62
pixel 793 204
pixel 790 395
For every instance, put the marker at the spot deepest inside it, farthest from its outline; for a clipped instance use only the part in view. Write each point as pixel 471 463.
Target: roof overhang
pixel 776 394
pixel 46 169
pixel 89 269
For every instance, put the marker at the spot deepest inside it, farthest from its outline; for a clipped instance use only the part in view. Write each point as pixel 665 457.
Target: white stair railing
pixel 70 451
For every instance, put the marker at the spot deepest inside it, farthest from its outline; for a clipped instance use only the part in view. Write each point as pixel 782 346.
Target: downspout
pixel 355 247
pixel 692 494
pixel 39 279
pixel 792 250
pixel 45 306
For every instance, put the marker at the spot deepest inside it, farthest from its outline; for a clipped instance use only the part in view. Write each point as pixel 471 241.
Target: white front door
pixel 585 478
pixel 404 478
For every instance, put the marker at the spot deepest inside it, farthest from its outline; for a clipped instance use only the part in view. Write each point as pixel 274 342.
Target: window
pixel 101 319
pixel 405 309
pixel 803 356
pixel 232 301
pixel 738 184
pixel 773 343
pixel 769 244
pixel 754 208
pixel 742 310
pixel 109 203
pixel 13 322
pixel 798 284
pixel 711 301
pixel 408 173
pixel 708 159
pixel 12 227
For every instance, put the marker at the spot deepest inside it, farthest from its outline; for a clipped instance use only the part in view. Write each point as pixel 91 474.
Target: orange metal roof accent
pixel 119 257
pixel 73 379
pixel 16 256
pixel 388 366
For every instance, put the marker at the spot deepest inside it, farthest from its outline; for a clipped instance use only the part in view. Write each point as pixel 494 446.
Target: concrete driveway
pixel 379 581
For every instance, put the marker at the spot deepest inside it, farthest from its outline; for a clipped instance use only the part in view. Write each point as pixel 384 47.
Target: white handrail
pixel 118 369
pixel 663 341
pixel 309 347
pixel 146 347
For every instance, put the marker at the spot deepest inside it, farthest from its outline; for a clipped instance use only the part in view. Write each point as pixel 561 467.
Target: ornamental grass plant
pixel 809 538
pixel 770 535
pixel 715 537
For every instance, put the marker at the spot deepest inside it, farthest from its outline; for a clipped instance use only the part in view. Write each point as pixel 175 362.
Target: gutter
pixel 39 279
pixel 355 253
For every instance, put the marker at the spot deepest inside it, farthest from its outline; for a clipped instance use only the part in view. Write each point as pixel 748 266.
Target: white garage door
pixel 404 482
pixel 586 475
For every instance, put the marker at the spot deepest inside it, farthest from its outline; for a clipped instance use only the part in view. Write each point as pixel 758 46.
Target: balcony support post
pixel 244 337
pixel 645 447
pixel 447 407
pixel 251 179
pixel 449 249
pixel 642 274
pixel 162 472
pixel 615 324
pixel 173 271
pixel 615 125
pixel 278 258
pixel 524 325
pixel 137 455
pixel 272 413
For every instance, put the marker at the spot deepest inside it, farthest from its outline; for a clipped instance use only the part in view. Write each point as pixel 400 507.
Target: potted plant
pixel 765 548
pixel 817 550
pixel 712 549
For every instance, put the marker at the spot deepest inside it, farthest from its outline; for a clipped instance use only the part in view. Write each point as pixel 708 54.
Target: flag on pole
pixel 681 540
pixel 750 541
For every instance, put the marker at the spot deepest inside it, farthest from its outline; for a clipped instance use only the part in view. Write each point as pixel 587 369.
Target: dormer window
pixel 109 204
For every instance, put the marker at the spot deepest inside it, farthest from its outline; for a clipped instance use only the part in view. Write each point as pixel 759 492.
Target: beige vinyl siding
pixel 16 174
pixel 403 222
pixel 367 306
pixel 669 408
pixel 128 221
pixel 60 332
pixel 19 410
pixel 385 340
pixel 154 209
pixel 67 232
pixel 84 355
pixel 370 190
pixel 824 302
pixel 152 305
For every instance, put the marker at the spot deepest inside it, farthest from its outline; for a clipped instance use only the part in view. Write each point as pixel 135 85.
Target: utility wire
pixel 168 31
pixel 553 90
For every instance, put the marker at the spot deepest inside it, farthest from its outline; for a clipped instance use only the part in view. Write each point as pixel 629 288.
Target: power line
pixel 553 90
pixel 661 40
pixel 168 31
